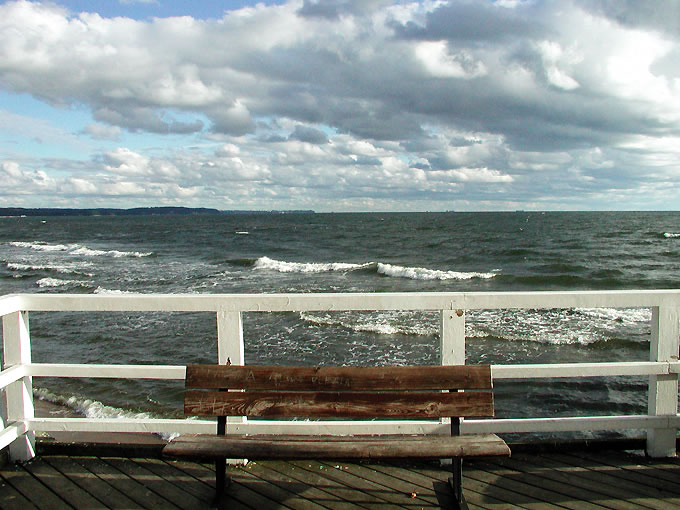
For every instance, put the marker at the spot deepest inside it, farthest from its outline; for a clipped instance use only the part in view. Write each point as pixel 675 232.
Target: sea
pixel 362 252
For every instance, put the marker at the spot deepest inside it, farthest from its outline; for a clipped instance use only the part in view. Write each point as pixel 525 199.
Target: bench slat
pixel 253 377
pixel 339 447
pixel 402 405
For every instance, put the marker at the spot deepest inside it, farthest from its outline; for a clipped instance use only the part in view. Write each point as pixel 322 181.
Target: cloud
pixel 309 135
pixel 458 100
pixel 103 132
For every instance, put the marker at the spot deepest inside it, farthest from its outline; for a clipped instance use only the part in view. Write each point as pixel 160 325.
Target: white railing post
pixel 452 337
pixel 19 395
pixel 229 338
pixel 663 389
pixel 230 350
pixel 452 343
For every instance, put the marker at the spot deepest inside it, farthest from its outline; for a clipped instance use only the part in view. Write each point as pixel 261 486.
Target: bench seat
pixel 300 447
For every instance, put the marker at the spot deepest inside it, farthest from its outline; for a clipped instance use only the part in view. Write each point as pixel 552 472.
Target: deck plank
pixel 572 480
pixel 31 488
pixel 171 492
pixel 90 483
pixel 141 495
pixel 422 497
pixel 578 493
pixel 335 494
pixel 365 493
pixel 63 486
pixel 12 499
pixel 629 485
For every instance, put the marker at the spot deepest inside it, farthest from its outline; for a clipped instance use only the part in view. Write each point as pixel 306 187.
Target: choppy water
pixel 344 253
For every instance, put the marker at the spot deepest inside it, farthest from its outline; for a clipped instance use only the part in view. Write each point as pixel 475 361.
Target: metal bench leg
pixel 221 483
pixel 220 468
pixel 456 483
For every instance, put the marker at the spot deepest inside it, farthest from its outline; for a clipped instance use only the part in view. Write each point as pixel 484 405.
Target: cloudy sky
pixel 341 105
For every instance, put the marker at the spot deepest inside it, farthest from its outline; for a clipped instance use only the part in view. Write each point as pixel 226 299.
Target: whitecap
pixel 87 252
pixel 56 282
pixel 90 408
pixel 304 267
pixel 14 266
pixel 670 235
pixel 102 290
pixel 420 273
pixel 77 249
pixel 41 246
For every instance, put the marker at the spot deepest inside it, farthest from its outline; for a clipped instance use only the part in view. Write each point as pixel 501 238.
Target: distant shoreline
pixel 137 211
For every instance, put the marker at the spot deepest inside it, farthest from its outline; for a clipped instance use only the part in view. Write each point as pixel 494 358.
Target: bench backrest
pixel 412 392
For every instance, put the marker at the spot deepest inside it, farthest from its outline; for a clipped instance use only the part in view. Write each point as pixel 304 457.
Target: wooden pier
pixel 533 480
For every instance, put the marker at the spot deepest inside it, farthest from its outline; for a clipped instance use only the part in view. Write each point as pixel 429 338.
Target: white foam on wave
pixel 671 235
pixel 627 316
pixel 90 408
pixel 13 266
pixel 77 249
pixel 381 323
pixel 421 273
pixel 87 252
pixel 40 246
pixel 102 290
pixel 305 267
pixel 56 282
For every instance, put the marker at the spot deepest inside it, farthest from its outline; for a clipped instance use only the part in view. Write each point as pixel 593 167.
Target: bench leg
pixel 456 483
pixel 221 482
pixel 220 467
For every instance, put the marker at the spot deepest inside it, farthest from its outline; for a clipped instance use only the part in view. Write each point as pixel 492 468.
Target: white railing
pixel 19 424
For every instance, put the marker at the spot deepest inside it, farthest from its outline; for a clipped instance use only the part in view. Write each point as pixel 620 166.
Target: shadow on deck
pixel 549 480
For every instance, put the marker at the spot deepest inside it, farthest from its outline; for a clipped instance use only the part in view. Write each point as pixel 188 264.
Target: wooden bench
pixel 413 392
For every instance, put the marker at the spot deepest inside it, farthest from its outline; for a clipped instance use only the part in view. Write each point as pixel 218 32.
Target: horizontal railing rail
pixel 661 422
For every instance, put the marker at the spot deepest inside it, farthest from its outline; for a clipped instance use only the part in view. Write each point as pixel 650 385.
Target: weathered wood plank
pixel 364 493
pixel 292 492
pixel 484 493
pixel 420 496
pixel 338 405
pixel 417 475
pixel 252 447
pixel 608 495
pixel 188 483
pixel 319 489
pixel 252 377
pixel 514 490
pixel 206 475
pixel 568 494
pixel 32 489
pixel 12 499
pixel 62 486
pixel 660 473
pixel 632 485
pixel 141 495
pixel 171 492
pixel 90 483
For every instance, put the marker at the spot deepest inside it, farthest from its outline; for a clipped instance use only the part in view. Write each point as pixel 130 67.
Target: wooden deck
pixel 576 479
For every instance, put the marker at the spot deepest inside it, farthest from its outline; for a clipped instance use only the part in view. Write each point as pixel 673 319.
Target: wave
pixel 581 326
pixel 305 267
pixel 40 246
pixel 56 282
pixel 102 290
pixel 413 273
pixel 13 266
pixel 381 323
pixel 420 273
pixel 77 249
pixel 671 235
